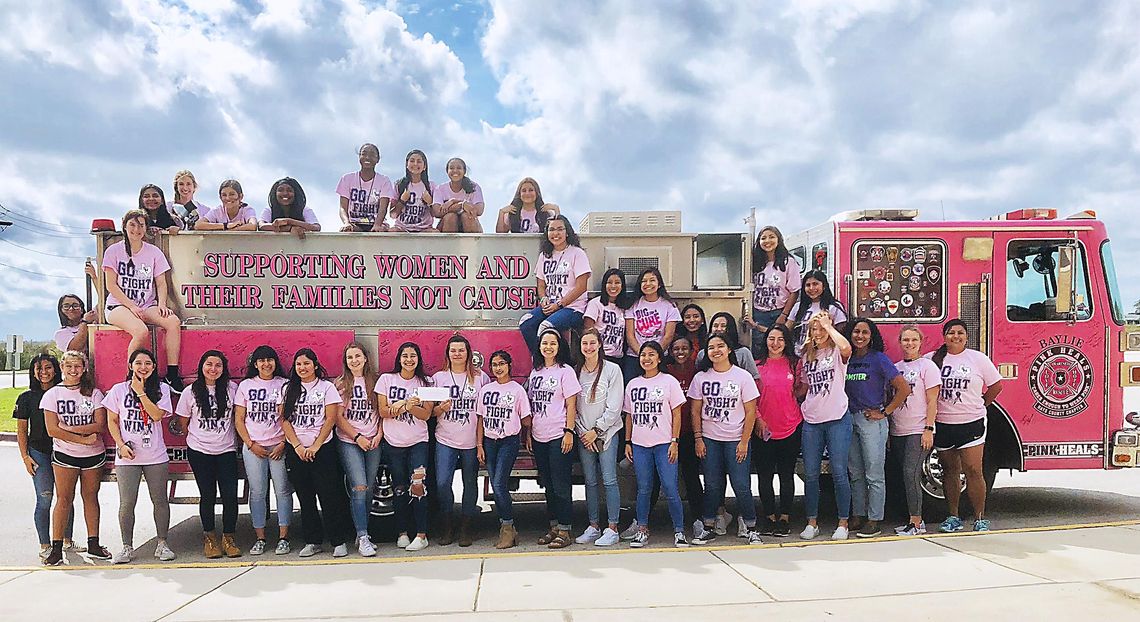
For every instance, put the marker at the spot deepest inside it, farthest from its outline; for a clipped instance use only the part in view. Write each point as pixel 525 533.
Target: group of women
pixel 680 398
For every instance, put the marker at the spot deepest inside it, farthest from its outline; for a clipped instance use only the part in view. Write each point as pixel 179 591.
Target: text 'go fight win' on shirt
pixel 650 403
pixel 260 398
pixel 548 389
pixel 405 429
pixel 724 394
pixel 825 378
pixel 73 410
pixel 136 273
pixel 142 433
pixel 456 427
pixel 213 434
pixel 502 407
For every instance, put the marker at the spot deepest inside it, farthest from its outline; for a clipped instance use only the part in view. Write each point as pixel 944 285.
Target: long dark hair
pixel 563 357
pixel 259 353
pixel 876 343
pixel 940 353
pixel 624 300
pixel 539 215
pixel 546 247
pixel 826 298
pixel 465 183
pixel 706 364
pixel 760 256
pixel 661 292
pixel 296 211
pixel 221 387
pixel 33 383
pixel 160 217
pixel 419 372
pixel 87 380
pixel 82 307
pixel 789 346
pixel 152 386
pixel 293 387
pixel 402 185
pixel 656 347
pixel 701 334
pixel 731 333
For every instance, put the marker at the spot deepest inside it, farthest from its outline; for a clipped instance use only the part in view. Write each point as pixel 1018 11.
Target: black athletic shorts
pixel 83 464
pixel 959 435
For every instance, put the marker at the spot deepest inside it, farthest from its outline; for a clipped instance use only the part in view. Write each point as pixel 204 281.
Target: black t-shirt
pixel 28 407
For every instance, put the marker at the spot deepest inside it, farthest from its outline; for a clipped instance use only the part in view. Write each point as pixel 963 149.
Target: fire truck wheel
pixel 934 501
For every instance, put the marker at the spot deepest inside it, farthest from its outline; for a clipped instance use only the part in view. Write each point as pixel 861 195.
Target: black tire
pixel 934 505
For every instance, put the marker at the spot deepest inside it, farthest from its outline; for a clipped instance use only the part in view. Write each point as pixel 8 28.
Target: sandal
pixel 561 540
pixel 548 537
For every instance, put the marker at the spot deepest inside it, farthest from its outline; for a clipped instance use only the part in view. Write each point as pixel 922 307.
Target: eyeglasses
pixel 72 305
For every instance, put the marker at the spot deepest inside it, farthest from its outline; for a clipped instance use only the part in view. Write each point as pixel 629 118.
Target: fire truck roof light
pixel 1032 213
pixel 1086 214
pixel 875 214
pixel 102 224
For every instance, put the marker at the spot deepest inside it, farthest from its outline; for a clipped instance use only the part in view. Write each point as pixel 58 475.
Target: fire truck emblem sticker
pixel 1060 379
pixel 877 253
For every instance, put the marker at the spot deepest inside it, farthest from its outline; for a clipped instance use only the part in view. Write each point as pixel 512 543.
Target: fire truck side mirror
pixel 1065 281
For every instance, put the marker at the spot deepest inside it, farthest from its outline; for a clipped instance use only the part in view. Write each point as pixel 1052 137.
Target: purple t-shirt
pixel 724 394
pixel 456 428
pixel 359 412
pixel 650 319
pixel 650 403
pixel 825 378
pixel 136 274
pixel 502 407
pixel 260 398
pixel 405 429
pixel 868 378
pixel 921 374
pixel 73 410
pixel 773 286
pixel 210 435
pixel 364 196
pixel 309 412
pixel 136 427
pixel 548 389
pixel 417 214
pixel 965 378
pixel 610 322
pixel 219 216
pixel 560 271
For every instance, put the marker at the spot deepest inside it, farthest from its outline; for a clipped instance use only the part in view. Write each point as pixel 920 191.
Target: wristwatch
pixel 929 428
pixel 673 440
pixel 568 430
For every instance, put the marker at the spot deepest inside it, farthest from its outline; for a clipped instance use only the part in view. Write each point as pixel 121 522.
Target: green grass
pixel 7 402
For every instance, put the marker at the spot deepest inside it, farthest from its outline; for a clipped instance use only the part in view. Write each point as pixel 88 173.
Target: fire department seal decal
pixel 1060 379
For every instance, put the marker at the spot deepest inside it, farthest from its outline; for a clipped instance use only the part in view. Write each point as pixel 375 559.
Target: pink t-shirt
pixel 778 406
pixel 528 221
pixel 260 399
pixel 724 394
pixel 456 428
pixel 920 374
pixel 444 193
pixel 774 286
pixel 650 403
pixel 560 271
pixel 364 196
pixel 74 410
pixel 64 335
pixel 610 322
pixel 307 215
pixel 220 216
pixel 502 407
pixel 136 427
pixel 825 377
pixel 406 429
pixel 965 377
pixel 309 412
pixel 548 389
pixel 417 214
pixel 650 320
pixel 838 316
pixel 136 274
pixel 209 435
pixel 359 412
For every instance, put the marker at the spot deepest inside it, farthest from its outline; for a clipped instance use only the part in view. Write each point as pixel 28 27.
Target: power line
pixel 54 276
pixel 41 252
pixel 20 214
pixel 53 234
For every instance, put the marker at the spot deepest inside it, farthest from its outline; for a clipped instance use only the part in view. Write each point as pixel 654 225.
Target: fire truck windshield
pixel 1110 280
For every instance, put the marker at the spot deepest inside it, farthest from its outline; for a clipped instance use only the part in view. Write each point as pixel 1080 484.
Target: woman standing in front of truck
pixel 775 281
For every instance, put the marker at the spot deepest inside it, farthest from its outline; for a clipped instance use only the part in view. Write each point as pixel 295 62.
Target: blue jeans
pixel 258 471
pixel 44 483
pixel 836 437
pixel 649 464
pixel 866 465
pixel 630 368
pixel 720 458
pixel 411 513
pixel 605 462
pixel 500 454
pixel 766 318
pixel 446 459
pixel 360 469
pixel 554 470
pixel 534 322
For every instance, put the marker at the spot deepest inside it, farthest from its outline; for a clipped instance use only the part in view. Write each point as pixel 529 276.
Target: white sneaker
pixel 591 534
pixel 609 537
pixel 340 550
pixel 698 527
pixel 163 552
pixel 124 556
pixel 809 533
pixel 418 544
pixel 283 547
pixel 741 529
pixel 45 551
pixel 679 540
pixel 403 541
pixel 754 537
pixel 258 547
pixel 310 550
pixel 639 540
pixel 365 546
pixel 630 531
pixel 704 536
pixel 722 521
pixel 840 533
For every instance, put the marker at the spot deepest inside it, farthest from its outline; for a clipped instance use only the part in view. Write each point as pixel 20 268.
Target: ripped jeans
pixel 411 512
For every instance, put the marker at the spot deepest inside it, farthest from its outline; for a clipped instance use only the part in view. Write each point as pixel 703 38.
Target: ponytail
pixel 940 354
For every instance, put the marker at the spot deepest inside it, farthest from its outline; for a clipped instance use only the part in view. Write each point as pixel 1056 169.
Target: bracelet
pixel 567 431
pixel 929 428
pixel 356 438
pixel 673 440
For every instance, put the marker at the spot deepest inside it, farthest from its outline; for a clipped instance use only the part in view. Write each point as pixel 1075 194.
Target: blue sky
pixel 802 109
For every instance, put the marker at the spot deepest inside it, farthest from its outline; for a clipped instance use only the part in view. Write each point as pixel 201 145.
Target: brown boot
pixel 508 537
pixel 210 546
pixel 229 547
pixel 446 531
pixel 465 538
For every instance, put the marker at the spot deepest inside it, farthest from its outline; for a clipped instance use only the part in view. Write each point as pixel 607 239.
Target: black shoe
pixel 98 552
pixel 767 527
pixel 55 557
pixel 782 529
pixel 175 382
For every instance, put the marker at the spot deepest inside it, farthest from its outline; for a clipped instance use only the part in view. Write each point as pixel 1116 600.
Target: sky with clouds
pixel 801 108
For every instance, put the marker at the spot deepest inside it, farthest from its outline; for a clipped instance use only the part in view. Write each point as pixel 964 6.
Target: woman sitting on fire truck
pixel 815 296
pixel 563 274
